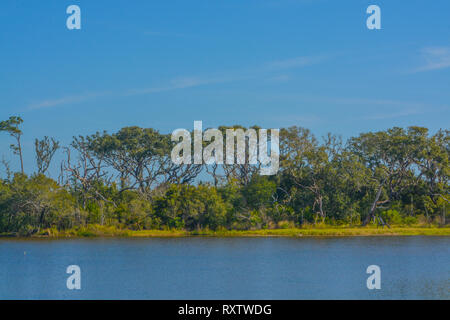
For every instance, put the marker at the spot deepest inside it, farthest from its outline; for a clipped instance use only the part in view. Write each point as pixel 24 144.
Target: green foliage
pixel 28 205
pixel 258 193
pixel 123 181
pixel 190 207
pixel 392 217
pixel 12 127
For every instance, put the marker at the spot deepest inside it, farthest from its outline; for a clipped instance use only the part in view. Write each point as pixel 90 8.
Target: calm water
pixel 227 268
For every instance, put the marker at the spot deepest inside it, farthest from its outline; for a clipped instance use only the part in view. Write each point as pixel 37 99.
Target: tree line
pixel 126 179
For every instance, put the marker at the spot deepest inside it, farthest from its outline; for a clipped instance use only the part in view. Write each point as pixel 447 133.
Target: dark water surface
pixel 226 268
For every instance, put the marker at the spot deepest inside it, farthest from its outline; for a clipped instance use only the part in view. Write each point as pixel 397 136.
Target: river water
pixel 226 268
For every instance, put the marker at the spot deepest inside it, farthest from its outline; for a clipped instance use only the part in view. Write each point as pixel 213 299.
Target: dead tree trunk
pixel 373 207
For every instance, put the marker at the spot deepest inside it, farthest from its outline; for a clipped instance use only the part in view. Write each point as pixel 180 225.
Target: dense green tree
pixel 28 205
pixel 389 155
pixel 127 180
pixel 191 207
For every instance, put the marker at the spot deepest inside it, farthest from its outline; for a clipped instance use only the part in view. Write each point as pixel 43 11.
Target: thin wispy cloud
pixel 66 100
pixel 177 83
pixel 265 71
pixel 164 34
pixel 174 84
pixel 377 102
pixel 296 62
pixel 435 58
pixel 280 78
pixel 396 108
pixel 297 119
pixel 392 115
pixel 377 109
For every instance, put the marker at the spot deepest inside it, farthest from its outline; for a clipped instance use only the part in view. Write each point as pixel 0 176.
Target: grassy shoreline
pixel 310 231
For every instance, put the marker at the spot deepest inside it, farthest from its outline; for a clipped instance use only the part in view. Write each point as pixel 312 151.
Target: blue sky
pixel 164 64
